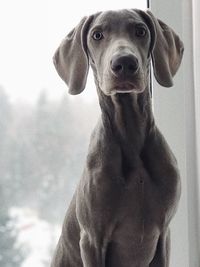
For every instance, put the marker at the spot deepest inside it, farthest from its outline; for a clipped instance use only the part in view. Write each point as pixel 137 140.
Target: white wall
pixel 196 46
pixel 175 115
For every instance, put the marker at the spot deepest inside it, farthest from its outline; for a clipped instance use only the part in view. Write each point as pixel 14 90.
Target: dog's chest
pixel 142 200
pixel 142 214
pixel 133 200
pixel 135 212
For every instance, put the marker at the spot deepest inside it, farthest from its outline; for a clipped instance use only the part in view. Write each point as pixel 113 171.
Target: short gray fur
pixel 120 213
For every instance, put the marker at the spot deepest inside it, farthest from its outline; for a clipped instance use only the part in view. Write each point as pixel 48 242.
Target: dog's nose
pixel 124 64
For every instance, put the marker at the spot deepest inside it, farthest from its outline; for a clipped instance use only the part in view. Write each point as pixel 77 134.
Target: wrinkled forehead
pixel 115 19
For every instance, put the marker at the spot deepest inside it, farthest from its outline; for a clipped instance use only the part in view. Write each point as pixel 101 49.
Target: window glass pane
pixel 44 132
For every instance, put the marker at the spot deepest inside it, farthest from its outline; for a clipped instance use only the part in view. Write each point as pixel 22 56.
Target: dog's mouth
pixel 111 85
pixel 126 87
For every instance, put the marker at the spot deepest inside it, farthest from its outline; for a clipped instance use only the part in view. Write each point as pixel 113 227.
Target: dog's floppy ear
pixel 167 50
pixel 71 60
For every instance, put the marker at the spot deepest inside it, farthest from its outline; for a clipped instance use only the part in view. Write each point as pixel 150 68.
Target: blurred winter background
pixel 44 132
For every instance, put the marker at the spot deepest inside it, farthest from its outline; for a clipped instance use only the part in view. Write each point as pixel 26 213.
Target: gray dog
pixel 120 213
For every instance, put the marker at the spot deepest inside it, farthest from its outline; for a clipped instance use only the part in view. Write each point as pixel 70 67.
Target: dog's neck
pixel 129 118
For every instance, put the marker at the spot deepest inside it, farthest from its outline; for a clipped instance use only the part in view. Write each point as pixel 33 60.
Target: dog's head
pixel 119 46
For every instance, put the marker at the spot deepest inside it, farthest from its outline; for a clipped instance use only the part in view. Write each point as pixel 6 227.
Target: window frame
pixel 181 126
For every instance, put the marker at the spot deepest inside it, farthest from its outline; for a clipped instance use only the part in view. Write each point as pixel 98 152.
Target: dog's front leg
pixel 161 258
pixel 92 251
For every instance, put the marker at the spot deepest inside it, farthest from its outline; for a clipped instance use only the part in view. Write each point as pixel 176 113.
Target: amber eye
pixel 140 31
pixel 97 35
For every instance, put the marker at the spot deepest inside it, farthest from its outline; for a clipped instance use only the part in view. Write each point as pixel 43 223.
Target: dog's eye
pixel 97 35
pixel 140 31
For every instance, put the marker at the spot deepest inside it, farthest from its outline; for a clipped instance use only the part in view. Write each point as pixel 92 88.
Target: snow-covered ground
pixel 37 236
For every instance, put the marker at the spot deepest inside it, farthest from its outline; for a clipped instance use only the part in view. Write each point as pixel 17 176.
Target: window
pixel 44 132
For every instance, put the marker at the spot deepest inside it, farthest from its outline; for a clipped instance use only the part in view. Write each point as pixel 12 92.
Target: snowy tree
pixel 10 254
